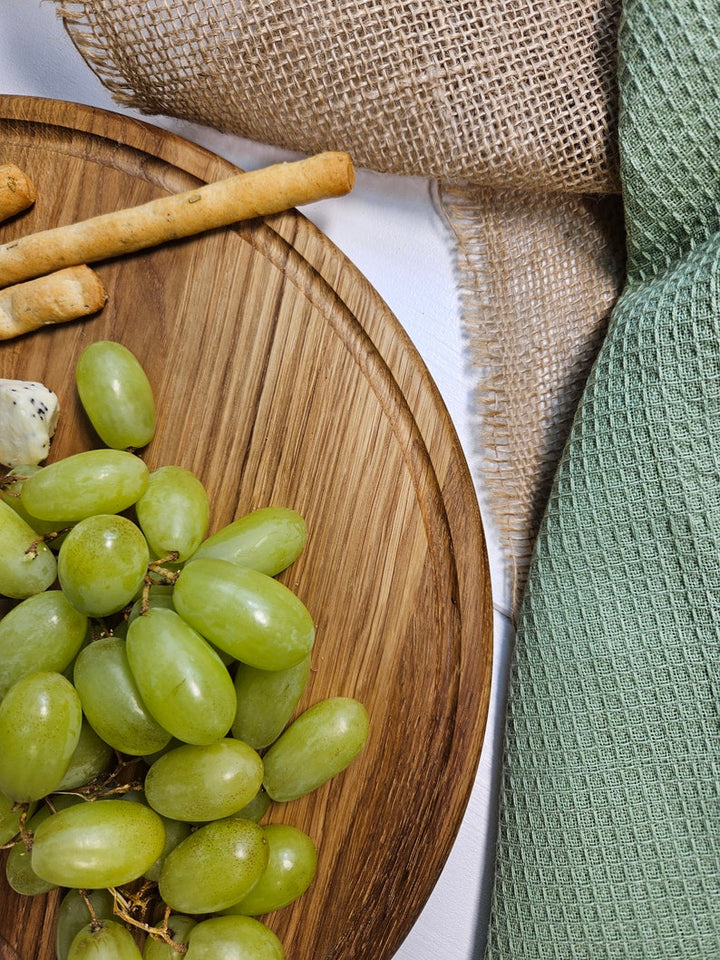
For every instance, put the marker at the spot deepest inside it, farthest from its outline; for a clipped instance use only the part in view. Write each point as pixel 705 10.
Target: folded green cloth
pixel 609 828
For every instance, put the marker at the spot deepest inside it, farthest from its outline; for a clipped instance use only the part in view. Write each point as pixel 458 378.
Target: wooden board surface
pixel 281 377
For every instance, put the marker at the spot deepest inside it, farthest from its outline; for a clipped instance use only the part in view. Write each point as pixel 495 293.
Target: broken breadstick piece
pixel 221 203
pixel 17 191
pixel 64 295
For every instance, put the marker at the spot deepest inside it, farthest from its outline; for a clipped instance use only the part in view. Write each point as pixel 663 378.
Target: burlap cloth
pixel 509 104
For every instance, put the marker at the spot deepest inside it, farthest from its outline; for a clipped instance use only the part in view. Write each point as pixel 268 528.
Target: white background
pixel 392 230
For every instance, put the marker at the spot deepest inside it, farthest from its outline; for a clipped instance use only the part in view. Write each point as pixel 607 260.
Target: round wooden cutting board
pixel 282 378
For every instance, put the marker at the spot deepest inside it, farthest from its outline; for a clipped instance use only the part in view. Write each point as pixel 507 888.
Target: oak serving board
pixel 282 378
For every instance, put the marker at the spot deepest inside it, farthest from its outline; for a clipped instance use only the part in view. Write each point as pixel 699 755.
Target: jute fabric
pixel 504 93
pixel 538 276
pixel 508 95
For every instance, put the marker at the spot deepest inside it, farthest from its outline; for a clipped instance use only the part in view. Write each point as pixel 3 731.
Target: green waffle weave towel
pixel 609 829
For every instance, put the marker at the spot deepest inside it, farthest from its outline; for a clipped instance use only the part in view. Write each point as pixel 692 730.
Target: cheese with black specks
pixel 28 417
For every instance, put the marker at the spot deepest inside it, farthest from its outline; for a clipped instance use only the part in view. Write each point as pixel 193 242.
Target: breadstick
pixel 241 197
pixel 17 191
pixel 64 295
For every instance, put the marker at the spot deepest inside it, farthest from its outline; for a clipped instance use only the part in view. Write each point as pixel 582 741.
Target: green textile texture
pixel 609 827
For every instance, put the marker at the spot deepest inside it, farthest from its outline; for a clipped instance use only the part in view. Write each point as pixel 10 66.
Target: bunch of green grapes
pixel 149 675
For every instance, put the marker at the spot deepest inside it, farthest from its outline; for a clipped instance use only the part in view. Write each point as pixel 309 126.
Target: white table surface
pixel 391 229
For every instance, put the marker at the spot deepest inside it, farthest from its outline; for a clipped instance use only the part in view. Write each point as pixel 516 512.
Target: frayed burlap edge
pixel 538 276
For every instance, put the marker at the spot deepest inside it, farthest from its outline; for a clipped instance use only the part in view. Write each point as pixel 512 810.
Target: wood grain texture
pixel 282 377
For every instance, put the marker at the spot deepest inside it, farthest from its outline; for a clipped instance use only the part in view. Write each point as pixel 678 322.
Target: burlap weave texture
pixel 504 93
pixel 539 275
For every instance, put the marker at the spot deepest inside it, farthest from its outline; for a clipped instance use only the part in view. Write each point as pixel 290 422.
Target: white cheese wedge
pixel 28 416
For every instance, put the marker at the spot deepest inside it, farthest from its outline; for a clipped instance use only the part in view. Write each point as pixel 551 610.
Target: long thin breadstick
pixel 64 295
pixel 241 197
pixel 17 191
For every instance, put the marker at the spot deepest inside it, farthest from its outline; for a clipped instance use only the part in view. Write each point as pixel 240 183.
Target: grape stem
pixel 124 906
pixel 7 483
pixel 94 791
pixel 156 568
pixel 114 783
pixel 45 538
pixel 23 835
pixel 94 922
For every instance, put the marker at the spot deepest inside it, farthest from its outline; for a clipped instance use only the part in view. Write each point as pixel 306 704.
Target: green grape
pixel 10 816
pixel 256 809
pixel 43 632
pixel 20 876
pixel 292 862
pixel 181 679
pixel 90 635
pixel 26 565
pixel 85 484
pixel 40 721
pixel 134 796
pixel 104 940
pixel 18 867
pixel 11 494
pixel 199 783
pixel 105 843
pixel 112 702
pixel 116 395
pixel 150 758
pixel 233 938
pixel 316 746
pixel 175 833
pixel 160 592
pixel 251 616
pixel 226 658
pixel 268 540
pixel 91 758
pixel 73 914
pixel 179 928
pixel 214 867
pixel 102 564
pixel 173 513
pixel 266 700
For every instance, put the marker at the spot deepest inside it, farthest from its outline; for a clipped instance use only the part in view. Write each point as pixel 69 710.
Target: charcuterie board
pixel 281 377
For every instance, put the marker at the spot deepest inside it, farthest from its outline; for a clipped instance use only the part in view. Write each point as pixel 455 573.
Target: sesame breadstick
pixel 244 196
